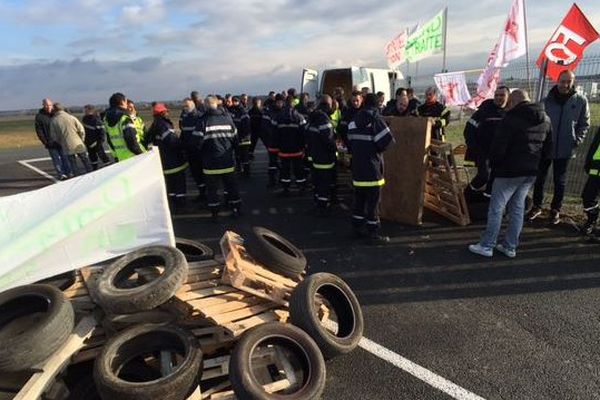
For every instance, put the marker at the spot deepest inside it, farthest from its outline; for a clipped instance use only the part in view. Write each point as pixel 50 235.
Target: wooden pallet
pixel 245 274
pixel 34 385
pixel 444 190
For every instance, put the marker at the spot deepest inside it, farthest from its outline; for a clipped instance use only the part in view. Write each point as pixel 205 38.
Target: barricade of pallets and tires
pixel 161 323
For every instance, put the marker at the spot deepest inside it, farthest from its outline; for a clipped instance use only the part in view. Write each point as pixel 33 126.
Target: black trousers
pixel 254 136
pixel 96 150
pixel 590 194
pixel 273 166
pixel 366 208
pixel 197 174
pixel 230 189
pixel 479 182
pixel 559 172
pixel 291 165
pixel 176 185
pixel 324 181
pixel 243 158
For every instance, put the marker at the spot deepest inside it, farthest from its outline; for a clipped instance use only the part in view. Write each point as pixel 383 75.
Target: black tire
pixel 247 387
pixel 304 313
pixel 35 321
pixel 148 295
pixel 141 340
pixel 194 251
pixel 275 252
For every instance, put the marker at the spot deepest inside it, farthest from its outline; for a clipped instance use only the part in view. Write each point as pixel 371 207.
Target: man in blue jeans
pixel 521 140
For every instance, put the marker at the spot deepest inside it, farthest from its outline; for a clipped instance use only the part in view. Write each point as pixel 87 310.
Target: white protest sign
pixel 83 221
pixel 453 87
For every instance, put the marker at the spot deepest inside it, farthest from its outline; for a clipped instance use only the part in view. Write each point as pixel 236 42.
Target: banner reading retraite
pixel 428 39
pixel 83 221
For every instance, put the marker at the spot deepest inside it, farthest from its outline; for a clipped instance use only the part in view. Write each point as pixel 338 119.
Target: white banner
pixel 428 39
pixel 395 49
pixel 453 87
pixel 83 221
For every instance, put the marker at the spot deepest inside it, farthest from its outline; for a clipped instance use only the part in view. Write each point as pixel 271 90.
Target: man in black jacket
pixel 241 119
pixel 321 146
pixel 256 120
pixel 368 137
pixel 479 134
pixel 217 141
pixel 42 129
pixel 172 157
pixel 436 110
pixel 188 120
pixel 523 137
pixel 95 135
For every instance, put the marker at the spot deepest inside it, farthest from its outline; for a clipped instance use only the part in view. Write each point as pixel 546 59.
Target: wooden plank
pixel 452 208
pixel 207 292
pixel 40 381
pixel 241 314
pixel 405 166
pixel 218 299
pixel 238 327
pixel 198 285
pixel 218 309
pixel 207 394
pixel 451 217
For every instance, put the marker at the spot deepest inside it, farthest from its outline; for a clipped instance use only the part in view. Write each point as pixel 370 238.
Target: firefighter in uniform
pixel 321 146
pixel 217 141
pixel 256 120
pixel 94 136
pixel 368 137
pixel 241 119
pixel 122 136
pixel 188 120
pixel 171 155
pixel 591 190
pixel 289 137
pixel 269 130
pixel 356 102
pixel 436 110
pixel 479 134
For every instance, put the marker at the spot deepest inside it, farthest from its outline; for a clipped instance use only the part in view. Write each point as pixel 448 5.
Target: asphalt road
pixel 526 328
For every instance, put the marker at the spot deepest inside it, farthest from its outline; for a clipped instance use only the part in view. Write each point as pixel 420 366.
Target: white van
pixel 376 79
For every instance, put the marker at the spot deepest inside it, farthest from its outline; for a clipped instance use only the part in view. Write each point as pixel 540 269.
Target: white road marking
pixel 26 164
pixel 427 376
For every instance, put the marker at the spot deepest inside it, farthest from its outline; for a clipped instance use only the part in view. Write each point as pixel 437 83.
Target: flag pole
pixel 527 60
pixel 445 37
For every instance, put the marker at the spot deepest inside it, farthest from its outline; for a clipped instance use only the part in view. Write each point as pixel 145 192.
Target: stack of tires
pixel 307 337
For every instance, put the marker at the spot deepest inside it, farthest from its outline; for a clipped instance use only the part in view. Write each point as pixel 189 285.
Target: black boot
pixel 592 218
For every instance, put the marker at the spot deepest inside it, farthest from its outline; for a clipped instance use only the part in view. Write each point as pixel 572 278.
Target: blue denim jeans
pixel 511 193
pixel 60 162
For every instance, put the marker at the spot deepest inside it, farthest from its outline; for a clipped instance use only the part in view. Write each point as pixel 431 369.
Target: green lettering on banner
pixel 115 193
pixel 428 40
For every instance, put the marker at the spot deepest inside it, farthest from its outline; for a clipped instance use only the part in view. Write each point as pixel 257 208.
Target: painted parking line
pixel 26 164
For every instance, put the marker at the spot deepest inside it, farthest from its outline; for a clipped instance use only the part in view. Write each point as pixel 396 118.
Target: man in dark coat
pixel 523 137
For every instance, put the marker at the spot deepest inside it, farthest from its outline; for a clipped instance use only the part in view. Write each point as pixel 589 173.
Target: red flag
pixel 565 48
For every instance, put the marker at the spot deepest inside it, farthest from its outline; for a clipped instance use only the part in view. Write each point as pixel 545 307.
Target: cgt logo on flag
pixel 565 48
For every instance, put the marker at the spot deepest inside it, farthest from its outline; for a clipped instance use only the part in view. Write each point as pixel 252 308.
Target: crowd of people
pixel 510 140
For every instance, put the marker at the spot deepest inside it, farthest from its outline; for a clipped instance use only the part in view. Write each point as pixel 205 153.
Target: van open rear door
pixel 310 82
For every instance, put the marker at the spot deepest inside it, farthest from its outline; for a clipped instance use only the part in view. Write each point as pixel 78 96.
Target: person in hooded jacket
pixel 94 136
pixel 217 139
pixel 289 139
pixel 122 136
pixel 241 119
pixel 321 146
pixel 188 120
pixel 173 159
pixel 368 137
pixel 521 140
pixel 570 116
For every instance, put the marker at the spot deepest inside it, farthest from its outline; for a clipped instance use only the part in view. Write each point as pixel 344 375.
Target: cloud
pixel 144 12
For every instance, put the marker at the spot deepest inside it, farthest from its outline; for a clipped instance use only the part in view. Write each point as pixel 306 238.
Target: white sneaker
pixel 482 251
pixel 510 253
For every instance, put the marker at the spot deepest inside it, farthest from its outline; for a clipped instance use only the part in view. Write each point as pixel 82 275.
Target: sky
pixel 79 52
